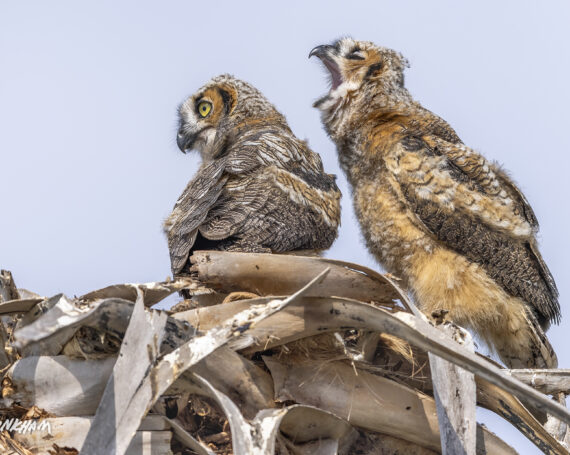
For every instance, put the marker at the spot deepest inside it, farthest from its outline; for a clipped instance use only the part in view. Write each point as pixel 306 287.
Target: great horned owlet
pixel 434 212
pixel 258 189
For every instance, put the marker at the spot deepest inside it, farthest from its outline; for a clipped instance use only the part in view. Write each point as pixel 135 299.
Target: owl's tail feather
pixel 542 352
pixel 537 351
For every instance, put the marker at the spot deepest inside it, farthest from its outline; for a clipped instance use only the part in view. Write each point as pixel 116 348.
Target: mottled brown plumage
pixel 259 188
pixel 451 224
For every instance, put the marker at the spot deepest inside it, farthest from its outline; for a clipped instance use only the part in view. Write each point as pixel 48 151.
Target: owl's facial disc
pixel 195 128
pixel 203 118
pixel 199 117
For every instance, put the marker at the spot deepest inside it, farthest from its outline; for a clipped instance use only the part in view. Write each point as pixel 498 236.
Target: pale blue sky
pixel 88 95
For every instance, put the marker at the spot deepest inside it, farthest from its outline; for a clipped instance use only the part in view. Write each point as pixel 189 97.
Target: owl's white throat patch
pixel 205 144
pixel 331 100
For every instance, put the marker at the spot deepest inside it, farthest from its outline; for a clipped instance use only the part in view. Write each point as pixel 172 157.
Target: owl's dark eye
pixel 355 54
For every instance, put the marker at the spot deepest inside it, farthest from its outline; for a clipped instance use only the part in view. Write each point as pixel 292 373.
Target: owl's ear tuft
pixel 229 98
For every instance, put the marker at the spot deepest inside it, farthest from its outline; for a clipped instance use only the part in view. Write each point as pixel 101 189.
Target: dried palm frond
pixel 308 355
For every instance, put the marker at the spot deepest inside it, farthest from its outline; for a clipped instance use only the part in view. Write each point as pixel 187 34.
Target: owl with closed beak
pixel 258 189
pixel 452 225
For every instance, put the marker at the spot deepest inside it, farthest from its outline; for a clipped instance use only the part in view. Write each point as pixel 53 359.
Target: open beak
pixel 327 54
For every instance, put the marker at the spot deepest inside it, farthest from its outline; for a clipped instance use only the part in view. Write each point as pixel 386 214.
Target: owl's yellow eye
pixel 204 108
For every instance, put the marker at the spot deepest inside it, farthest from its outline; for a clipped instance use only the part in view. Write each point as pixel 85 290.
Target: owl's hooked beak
pixel 181 141
pixel 322 50
pixel 185 140
pixel 327 54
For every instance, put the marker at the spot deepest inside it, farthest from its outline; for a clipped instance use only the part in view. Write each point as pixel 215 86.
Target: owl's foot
pixel 234 296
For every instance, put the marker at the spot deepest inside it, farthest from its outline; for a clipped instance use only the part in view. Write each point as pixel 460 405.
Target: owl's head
pixel 360 73
pixel 218 112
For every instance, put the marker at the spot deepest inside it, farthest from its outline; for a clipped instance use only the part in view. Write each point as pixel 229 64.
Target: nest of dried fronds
pixel 273 354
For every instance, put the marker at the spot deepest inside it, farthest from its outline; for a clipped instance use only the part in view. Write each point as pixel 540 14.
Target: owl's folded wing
pixel 242 198
pixel 191 210
pixel 264 169
pixel 473 210
pixel 256 203
pixel 489 175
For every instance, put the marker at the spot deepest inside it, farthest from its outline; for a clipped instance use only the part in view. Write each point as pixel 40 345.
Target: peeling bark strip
pixel 58 385
pixel 511 409
pixel 545 381
pixel 454 393
pixel 367 401
pixel 49 333
pixel 152 438
pixel 350 313
pixel 139 351
pixel 152 293
pixel 264 275
pixel 18 305
pixel 8 289
pixel 305 318
pixel 112 434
